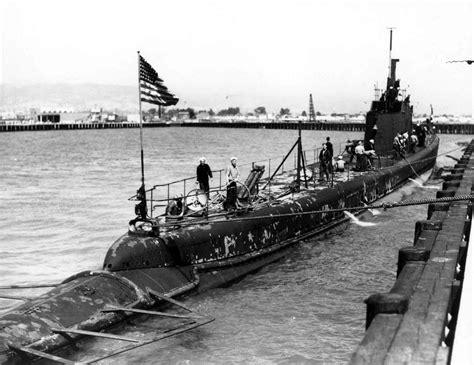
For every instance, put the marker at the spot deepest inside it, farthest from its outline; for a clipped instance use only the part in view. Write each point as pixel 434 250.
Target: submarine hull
pixel 190 260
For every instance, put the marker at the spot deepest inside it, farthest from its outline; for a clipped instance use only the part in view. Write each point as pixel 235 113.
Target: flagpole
pixel 141 124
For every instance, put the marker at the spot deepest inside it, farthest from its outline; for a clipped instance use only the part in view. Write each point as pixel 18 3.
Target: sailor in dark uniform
pixel 325 163
pixel 329 146
pixel 203 173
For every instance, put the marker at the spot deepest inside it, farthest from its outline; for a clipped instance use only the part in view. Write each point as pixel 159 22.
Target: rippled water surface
pixel 63 201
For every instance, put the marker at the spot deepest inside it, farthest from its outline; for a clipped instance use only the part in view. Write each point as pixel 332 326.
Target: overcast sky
pixel 247 53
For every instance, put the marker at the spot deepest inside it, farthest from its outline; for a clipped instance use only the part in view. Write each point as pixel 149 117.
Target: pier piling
pixel 430 277
pixel 314 126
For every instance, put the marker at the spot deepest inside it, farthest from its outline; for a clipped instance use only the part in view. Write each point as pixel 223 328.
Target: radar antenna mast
pixel 390 53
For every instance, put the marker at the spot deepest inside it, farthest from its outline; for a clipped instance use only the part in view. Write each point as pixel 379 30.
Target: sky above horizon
pixel 217 54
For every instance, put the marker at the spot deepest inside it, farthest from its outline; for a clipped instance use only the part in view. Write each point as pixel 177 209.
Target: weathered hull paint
pixel 215 245
pixel 192 259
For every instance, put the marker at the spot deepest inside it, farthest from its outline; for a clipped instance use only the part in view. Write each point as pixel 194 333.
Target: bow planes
pixel 197 244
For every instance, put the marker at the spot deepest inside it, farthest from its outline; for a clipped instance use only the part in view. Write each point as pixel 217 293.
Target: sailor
pixel 397 146
pixel 175 207
pixel 405 142
pixel 331 152
pixel 203 173
pixel 370 153
pixel 361 160
pixel 325 160
pixel 340 164
pixel 412 141
pixel 232 176
pixel 421 135
pixel 350 149
pixel 329 146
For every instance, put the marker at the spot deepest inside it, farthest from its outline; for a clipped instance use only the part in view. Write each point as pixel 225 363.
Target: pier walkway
pixel 341 126
pixel 73 126
pixel 464 339
pixel 419 321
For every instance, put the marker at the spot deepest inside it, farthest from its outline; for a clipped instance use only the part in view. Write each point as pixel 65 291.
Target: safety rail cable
pixel 222 171
pixel 422 160
pixel 388 155
pixel 384 205
pixel 368 171
pixel 267 185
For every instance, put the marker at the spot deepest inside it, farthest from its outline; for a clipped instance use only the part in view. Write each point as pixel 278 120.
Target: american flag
pixel 152 89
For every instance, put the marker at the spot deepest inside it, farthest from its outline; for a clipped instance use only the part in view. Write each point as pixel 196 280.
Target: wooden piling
pixel 388 303
pixel 410 325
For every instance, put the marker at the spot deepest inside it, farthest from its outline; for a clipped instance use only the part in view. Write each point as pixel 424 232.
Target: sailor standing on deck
pixel 397 146
pixel 370 153
pixel 325 160
pixel 203 173
pixel 350 149
pixel 331 152
pixel 329 146
pixel 361 159
pixel 232 176
pixel 412 142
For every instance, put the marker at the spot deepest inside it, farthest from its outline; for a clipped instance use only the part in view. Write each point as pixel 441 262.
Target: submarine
pixel 163 258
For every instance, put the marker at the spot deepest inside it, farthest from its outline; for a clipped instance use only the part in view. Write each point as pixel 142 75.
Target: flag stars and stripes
pixel 152 89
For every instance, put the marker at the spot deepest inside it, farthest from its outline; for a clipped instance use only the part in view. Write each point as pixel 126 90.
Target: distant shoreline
pixel 442 128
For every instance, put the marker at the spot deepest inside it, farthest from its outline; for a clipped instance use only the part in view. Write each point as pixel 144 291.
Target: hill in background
pixel 78 97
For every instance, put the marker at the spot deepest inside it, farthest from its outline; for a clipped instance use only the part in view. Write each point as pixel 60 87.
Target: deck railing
pixel 159 195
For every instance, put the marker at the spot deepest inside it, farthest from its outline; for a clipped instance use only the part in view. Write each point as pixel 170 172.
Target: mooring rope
pixel 412 169
pixel 384 205
pixel 425 159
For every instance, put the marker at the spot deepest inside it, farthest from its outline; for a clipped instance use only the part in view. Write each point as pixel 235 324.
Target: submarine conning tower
pixel 389 114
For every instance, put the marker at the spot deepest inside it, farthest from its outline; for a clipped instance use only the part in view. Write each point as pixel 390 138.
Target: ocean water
pixel 63 202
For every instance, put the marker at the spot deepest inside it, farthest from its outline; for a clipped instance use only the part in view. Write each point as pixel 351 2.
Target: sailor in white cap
pixel 232 176
pixel 340 164
pixel 233 173
pixel 203 173
pixel 361 159
pixel 370 153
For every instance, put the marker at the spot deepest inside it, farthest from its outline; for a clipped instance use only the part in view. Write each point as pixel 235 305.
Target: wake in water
pixel 374 212
pixel 357 221
pixel 419 184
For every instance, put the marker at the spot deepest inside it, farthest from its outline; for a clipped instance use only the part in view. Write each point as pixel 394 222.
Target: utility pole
pixel 312 116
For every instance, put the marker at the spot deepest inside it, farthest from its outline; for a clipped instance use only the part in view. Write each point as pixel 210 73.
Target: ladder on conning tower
pixel 193 320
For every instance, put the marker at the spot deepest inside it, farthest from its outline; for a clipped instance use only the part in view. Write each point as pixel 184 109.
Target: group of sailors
pixel 364 153
pixel 364 157
pixel 178 206
pixel 405 142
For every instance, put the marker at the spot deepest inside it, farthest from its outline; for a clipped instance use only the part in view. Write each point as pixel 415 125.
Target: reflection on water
pixel 64 201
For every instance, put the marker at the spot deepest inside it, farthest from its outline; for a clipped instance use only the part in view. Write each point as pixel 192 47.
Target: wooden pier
pixel 415 322
pixel 342 126
pixel 74 126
